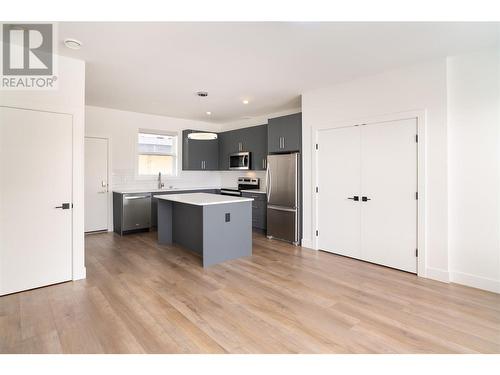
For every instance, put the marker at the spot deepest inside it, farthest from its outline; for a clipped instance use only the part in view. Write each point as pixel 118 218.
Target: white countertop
pixel 258 191
pixel 202 199
pixel 166 190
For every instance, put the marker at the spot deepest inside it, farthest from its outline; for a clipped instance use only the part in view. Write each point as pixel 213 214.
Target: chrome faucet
pixel 161 185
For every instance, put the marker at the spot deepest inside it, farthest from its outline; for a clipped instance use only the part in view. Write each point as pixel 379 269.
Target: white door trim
pixel 108 176
pixel 421 116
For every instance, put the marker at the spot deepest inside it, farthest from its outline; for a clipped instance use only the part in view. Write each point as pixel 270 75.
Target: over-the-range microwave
pixel 239 160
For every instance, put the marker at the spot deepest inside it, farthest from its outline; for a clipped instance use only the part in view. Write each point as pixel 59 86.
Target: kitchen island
pixel 217 227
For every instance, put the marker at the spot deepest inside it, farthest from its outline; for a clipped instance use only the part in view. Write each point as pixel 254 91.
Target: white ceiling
pixel 157 67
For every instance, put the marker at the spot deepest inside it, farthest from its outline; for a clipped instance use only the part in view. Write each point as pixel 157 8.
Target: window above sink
pixel 156 153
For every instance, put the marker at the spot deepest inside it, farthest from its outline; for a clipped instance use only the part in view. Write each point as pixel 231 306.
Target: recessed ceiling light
pixel 209 113
pixel 245 101
pixel 72 43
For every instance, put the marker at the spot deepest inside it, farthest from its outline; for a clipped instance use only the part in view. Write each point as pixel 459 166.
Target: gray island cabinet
pixel 217 227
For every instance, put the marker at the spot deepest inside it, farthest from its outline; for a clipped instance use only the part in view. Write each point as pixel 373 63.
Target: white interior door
pixel 35 178
pixel 96 184
pixel 378 163
pixel 389 181
pixel 339 184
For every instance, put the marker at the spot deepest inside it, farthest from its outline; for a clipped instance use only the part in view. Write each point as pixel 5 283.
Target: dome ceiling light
pixel 202 136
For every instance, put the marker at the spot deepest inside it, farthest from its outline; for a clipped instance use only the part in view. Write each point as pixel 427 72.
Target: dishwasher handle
pixel 136 197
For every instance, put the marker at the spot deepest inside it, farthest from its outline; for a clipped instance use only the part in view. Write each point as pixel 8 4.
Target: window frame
pixel 175 154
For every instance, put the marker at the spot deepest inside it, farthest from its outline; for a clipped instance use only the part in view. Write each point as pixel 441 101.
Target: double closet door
pixel 367 207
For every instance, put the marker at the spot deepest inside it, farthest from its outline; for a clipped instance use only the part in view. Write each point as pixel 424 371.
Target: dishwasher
pixel 136 211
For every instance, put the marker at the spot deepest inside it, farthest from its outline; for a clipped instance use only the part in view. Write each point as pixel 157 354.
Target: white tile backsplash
pixel 230 178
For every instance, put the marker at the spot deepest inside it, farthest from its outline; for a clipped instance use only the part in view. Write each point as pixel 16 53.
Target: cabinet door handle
pixel 355 198
pixel 283 142
pixel 201 164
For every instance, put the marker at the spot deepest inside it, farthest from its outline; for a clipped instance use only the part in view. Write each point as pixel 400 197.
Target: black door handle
pixel 64 206
pixel 355 198
pixel 364 199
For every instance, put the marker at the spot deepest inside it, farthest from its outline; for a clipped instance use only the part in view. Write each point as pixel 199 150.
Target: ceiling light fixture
pixel 202 136
pixel 208 113
pixel 245 101
pixel 72 43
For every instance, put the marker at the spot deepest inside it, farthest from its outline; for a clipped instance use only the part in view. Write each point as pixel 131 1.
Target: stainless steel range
pixel 244 183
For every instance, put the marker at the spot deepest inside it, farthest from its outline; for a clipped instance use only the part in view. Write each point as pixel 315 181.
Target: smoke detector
pixel 202 94
pixel 72 43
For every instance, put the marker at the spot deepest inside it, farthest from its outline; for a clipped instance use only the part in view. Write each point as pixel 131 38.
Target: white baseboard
pixel 306 242
pixel 437 274
pixel 81 274
pixel 474 281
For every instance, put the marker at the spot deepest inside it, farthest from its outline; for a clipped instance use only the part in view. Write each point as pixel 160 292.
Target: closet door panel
pixel 339 180
pixel 389 183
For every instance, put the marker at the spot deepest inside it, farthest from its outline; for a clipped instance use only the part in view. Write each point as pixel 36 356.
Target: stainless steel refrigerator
pixel 283 197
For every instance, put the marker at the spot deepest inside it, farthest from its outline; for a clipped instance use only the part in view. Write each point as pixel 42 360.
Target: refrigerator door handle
pixel 268 182
pixel 279 208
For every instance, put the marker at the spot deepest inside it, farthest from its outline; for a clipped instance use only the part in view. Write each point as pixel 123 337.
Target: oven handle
pixel 232 193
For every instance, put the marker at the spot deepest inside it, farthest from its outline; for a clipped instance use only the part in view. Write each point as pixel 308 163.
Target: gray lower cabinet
pixel 134 211
pixel 284 134
pixel 259 209
pixel 199 155
pixel 154 201
pixel 131 212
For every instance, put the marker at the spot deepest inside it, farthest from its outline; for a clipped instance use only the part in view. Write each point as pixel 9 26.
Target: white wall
pixel 474 169
pixel 461 99
pixel 255 120
pixel 121 127
pixel 69 98
pixel 420 87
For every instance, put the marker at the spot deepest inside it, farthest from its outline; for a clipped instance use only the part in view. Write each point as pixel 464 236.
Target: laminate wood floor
pixel 140 297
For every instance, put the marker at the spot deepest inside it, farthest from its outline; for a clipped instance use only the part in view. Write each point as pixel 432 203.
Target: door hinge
pixel 317 146
pixel 317 189
pixel 317 233
pixel 416 138
pixel 416 195
pixel 416 252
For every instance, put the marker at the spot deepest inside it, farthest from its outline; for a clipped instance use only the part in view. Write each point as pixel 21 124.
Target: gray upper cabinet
pixel 256 138
pixel 199 155
pixel 284 134
pixel 225 149
pixel 252 139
